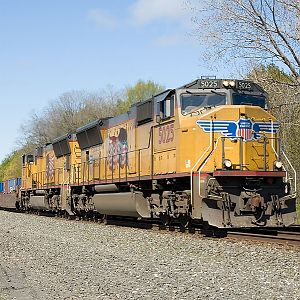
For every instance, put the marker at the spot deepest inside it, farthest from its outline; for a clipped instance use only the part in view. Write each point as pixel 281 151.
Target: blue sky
pixel 51 47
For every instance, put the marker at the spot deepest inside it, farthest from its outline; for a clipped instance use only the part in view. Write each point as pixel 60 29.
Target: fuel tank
pixel 38 202
pixel 129 204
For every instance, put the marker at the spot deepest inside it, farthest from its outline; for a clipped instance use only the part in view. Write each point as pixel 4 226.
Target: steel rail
pixel 288 236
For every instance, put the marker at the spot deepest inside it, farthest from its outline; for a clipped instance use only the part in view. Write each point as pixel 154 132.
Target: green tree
pixel 11 166
pixel 141 91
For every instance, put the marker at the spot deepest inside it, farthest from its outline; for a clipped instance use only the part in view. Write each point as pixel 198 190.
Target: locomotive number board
pixel 219 83
pixel 244 85
pixel 209 84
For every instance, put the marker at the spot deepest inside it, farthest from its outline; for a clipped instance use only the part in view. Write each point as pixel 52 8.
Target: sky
pixel 51 47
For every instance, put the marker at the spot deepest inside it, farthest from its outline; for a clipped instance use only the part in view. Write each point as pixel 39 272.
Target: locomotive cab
pixel 202 95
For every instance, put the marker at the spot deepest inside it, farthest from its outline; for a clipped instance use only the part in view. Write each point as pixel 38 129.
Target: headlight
pixel 232 83
pixel 226 83
pixel 227 163
pixel 278 164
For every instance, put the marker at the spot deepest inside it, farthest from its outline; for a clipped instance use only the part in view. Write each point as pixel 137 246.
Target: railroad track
pixel 284 236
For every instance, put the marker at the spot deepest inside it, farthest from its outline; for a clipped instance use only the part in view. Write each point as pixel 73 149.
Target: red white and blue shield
pixel 245 129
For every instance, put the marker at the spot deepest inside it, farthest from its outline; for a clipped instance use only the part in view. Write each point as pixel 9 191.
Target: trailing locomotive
pixel 207 152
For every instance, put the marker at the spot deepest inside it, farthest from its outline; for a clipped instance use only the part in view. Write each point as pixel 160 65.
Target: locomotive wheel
pixel 103 219
pixel 184 220
pixel 66 215
pixel 165 219
pixel 94 217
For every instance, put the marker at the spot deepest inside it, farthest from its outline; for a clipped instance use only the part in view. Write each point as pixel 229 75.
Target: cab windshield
pixel 246 99
pixel 193 102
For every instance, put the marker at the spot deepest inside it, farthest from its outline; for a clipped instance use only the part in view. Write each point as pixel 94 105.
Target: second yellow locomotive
pixel 207 152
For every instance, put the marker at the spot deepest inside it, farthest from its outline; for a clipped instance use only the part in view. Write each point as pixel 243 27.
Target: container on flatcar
pixel 11 185
pixel 9 193
pixel 19 181
pixel 6 189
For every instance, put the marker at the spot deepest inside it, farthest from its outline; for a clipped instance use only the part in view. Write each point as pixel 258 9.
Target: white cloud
pixel 146 11
pixel 102 19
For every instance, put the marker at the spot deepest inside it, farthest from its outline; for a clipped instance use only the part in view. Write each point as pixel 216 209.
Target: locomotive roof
pixel 198 84
pixel 98 122
pixel 111 121
pixel 157 97
pixel 69 136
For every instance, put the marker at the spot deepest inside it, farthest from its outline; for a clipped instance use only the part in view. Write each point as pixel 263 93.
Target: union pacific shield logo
pixel 245 128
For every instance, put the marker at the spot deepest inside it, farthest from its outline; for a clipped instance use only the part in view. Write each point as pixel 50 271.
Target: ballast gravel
pixel 50 258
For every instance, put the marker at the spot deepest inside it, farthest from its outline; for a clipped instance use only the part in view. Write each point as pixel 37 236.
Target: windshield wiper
pixel 246 103
pixel 214 92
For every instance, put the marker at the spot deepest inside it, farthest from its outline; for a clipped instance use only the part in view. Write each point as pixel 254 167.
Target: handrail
pixel 293 169
pixel 272 135
pixel 285 156
pixel 213 150
pixel 192 170
pixel 204 163
pixel 216 147
pixel 115 173
pixel 76 175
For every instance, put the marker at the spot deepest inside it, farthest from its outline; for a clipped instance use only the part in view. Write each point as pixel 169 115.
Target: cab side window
pixel 166 108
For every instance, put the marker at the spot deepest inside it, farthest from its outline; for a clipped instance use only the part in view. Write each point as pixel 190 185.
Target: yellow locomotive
pixel 207 152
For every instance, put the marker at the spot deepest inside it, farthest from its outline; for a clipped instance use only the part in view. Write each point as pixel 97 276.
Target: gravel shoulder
pixel 48 258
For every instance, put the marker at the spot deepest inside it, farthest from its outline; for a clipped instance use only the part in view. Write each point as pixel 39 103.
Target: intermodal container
pixel 19 182
pixel 11 185
pixel 6 190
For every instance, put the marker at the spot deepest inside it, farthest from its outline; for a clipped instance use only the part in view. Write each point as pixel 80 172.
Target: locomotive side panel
pixel 28 169
pixel 120 146
pixel 164 148
pixel 144 140
pixel 50 166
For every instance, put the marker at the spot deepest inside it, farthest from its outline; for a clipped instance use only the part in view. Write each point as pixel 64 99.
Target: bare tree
pixel 264 31
pixel 68 112
pixel 284 103
pixel 76 108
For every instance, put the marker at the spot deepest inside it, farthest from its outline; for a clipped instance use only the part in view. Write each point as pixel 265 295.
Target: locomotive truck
pixel 208 152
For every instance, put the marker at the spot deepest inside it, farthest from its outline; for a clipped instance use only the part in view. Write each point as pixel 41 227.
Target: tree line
pixel 70 111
